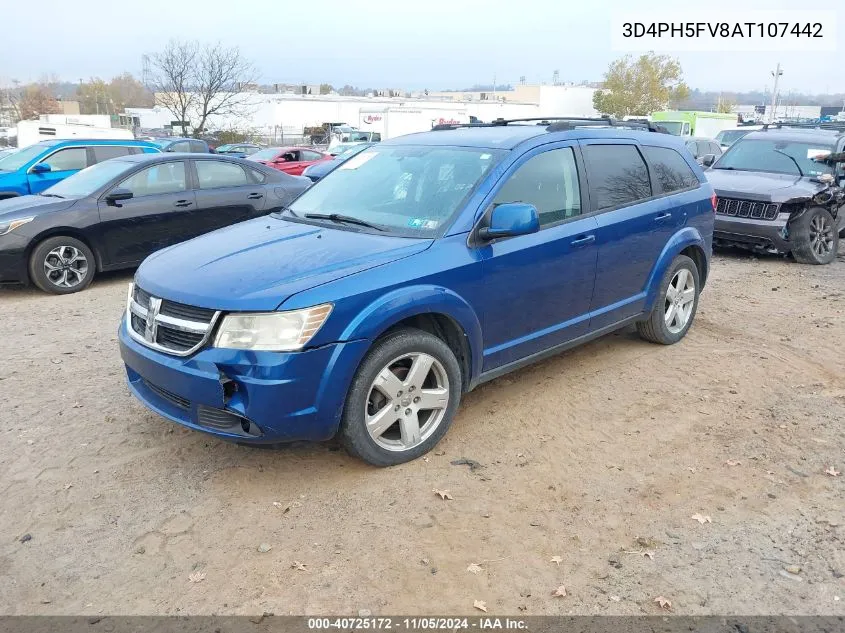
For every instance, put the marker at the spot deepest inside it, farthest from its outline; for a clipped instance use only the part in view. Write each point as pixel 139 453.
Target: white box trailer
pixel 30 132
pixel 391 122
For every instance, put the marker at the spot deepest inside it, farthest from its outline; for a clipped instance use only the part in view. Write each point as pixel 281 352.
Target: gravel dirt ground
pixel 600 456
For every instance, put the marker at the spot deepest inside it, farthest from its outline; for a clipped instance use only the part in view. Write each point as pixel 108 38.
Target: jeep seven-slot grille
pixel 747 209
pixel 168 326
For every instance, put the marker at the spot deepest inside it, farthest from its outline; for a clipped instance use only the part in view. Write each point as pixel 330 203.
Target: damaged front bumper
pixel 770 236
pixel 244 396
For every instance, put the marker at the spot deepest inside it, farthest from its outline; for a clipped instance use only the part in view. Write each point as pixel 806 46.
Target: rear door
pixel 99 153
pixel 226 193
pixel 635 221
pixel 158 214
pixel 63 163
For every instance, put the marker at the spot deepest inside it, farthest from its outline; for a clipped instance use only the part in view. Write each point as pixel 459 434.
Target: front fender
pixel 686 237
pixel 403 303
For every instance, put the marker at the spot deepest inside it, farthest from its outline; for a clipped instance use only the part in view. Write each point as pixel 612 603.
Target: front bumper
pixel 760 235
pixel 244 396
pixel 13 264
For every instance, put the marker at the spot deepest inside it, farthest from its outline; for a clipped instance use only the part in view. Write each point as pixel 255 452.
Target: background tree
pixel 640 86
pixel 126 91
pixel 726 106
pixel 195 82
pixel 325 89
pixel 94 97
pixel 98 97
pixel 35 101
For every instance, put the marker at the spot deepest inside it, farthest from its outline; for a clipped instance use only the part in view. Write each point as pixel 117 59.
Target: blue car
pixel 181 145
pixel 33 169
pixel 325 167
pixel 417 270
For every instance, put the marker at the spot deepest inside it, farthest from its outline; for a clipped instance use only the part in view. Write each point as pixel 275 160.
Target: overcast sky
pixel 385 43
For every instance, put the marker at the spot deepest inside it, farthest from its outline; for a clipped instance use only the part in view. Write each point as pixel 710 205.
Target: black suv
pixel 780 192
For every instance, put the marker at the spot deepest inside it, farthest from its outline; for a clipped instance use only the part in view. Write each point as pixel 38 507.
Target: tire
pixel 387 368
pixel 72 260
pixel 815 237
pixel 655 328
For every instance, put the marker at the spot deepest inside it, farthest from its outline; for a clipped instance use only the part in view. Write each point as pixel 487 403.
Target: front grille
pixel 168 326
pixel 171 397
pixel 747 209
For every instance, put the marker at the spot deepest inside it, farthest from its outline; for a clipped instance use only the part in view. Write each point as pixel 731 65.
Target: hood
pixel 26 206
pixel 762 186
pixel 258 264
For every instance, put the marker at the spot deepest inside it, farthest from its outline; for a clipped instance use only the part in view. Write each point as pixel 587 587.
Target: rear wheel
pixel 62 265
pixel 402 400
pixel 677 301
pixel 815 237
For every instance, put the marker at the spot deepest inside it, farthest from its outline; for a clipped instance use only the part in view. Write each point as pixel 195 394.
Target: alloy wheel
pixel 680 300
pixel 407 402
pixel 65 266
pixel 821 235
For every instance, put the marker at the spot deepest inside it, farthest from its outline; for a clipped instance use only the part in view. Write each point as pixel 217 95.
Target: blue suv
pixel 33 169
pixel 415 271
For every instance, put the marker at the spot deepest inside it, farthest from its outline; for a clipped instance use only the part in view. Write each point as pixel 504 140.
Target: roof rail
pixel 560 123
pixel 829 126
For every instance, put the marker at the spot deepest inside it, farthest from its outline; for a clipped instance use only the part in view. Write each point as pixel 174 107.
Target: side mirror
pixel 510 219
pixel 41 168
pixel 708 159
pixel 118 195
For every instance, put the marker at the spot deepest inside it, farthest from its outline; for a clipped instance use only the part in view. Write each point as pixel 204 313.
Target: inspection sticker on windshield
pixel 817 153
pixel 356 161
pixel 422 223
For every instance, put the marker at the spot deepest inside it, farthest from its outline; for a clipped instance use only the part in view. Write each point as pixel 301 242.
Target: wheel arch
pixel 69 232
pixel 687 241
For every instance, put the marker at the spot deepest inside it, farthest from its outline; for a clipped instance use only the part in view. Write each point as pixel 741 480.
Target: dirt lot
pixel 600 456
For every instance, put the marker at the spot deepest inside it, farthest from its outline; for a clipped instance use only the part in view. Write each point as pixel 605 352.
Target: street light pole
pixel 776 74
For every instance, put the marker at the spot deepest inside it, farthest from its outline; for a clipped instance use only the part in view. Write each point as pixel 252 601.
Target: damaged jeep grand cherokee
pixel 780 190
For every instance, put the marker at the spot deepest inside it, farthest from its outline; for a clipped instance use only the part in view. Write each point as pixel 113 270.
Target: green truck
pixel 694 123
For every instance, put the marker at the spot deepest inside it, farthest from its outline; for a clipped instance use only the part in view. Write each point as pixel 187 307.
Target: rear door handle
pixel 255 196
pixel 183 203
pixel 583 241
pixel 663 216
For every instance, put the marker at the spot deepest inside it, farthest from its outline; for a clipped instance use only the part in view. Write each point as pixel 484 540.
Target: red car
pixel 291 160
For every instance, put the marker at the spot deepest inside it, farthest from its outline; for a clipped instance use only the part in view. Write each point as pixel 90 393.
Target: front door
pixel 538 287
pixel 157 215
pixel 62 163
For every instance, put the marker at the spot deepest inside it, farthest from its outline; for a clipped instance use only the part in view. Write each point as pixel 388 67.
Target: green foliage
pixel 231 136
pixel 640 86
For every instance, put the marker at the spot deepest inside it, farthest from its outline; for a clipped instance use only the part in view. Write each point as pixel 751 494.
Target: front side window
pixel 181 146
pixel 549 181
pixel 265 154
pixel 671 171
pixel 774 156
pixel 158 179
pixel 67 159
pixel 213 174
pixel 106 152
pixel 198 147
pixel 412 191
pixel 306 155
pixel 617 174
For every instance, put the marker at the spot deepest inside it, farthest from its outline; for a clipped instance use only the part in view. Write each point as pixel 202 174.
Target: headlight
pixel 272 331
pixel 8 227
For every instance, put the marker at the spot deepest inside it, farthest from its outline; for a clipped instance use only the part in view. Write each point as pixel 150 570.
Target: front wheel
pixel 677 301
pixel 402 400
pixel 61 265
pixel 815 236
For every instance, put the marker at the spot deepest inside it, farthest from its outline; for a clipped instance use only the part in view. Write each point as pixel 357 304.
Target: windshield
pixel 264 154
pixel 89 180
pixel 774 156
pixel 727 137
pixel 348 151
pixel 16 160
pixel 225 148
pixel 673 127
pixel 411 191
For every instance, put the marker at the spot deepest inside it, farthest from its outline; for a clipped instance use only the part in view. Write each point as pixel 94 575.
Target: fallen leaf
pixel 474 568
pixel 557 559
pixel 691 469
pixel 480 605
pixel 560 592
pixel 444 494
pixel 198 576
pixel 832 472
pixel 731 462
pixel 663 602
pixel 299 566
pixel 701 518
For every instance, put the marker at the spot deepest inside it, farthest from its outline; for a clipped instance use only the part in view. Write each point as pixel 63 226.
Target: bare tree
pixel 196 82
pixel 172 79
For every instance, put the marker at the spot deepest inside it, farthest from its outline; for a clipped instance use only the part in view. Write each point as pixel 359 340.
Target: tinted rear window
pixel 105 152
pixel 617 174
pixel 671 171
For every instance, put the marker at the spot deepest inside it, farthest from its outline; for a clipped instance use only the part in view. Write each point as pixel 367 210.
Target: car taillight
pixel 714 201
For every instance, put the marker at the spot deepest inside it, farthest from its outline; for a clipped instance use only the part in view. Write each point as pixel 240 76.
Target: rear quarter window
pixel 671 171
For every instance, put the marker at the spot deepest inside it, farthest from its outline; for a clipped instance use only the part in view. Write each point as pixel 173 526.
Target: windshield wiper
pixel 792 158
pixel 51 195
pixel 347 219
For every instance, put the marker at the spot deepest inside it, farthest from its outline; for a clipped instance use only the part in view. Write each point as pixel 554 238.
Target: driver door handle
pixel 583 241
pixel 663 216
pixel 183 203
pixel 255 196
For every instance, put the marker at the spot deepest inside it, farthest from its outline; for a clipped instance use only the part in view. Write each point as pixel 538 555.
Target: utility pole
pixel 776 74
